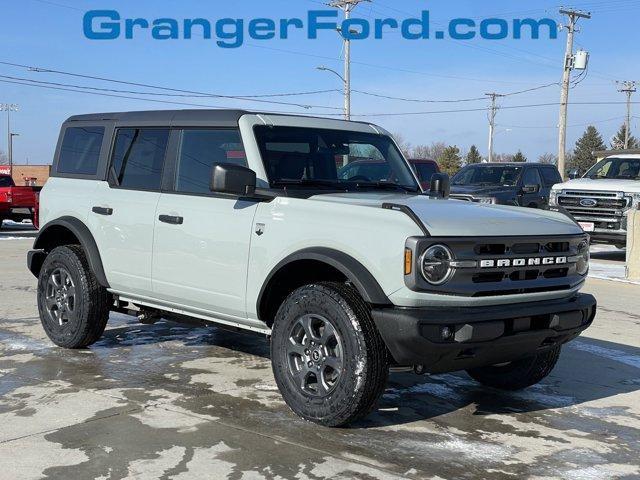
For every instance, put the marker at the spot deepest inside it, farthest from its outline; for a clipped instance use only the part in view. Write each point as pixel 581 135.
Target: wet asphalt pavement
pixel 179 401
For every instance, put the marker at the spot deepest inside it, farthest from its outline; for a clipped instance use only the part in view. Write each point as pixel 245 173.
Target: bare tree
pixel 4 160
pixel 548 158
pixel 502 157
pixel 432 152
pixel 404 145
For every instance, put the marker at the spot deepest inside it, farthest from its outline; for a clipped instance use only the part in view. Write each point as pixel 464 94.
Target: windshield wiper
pixel 308 182
pixel 386 186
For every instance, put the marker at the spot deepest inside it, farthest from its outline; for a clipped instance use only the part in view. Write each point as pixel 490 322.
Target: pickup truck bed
pixel 16 203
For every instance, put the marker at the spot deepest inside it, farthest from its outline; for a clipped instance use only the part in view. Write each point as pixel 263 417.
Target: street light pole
pixel 347 6
pixel 11 135
pixel 9 107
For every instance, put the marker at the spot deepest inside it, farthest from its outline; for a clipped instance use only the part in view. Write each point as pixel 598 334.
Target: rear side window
pixel 531 177
pixel 550 176
pixel 138 157
pixel 200 150
pixel 80 151
pixel 424 170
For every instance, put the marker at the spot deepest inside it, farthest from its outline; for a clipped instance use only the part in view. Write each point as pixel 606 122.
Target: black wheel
pixel 328 358
pixel 519 374
pixel 73 307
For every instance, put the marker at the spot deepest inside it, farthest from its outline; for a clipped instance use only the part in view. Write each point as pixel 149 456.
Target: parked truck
pixel 17 203
pixel 602 198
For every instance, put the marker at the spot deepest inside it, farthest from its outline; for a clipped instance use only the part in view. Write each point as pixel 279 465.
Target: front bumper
pixel 480 335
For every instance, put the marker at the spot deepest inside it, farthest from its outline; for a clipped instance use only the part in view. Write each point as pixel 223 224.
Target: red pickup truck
pixel 17 203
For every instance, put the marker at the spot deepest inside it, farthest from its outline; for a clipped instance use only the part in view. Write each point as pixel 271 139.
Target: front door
pixel 201 240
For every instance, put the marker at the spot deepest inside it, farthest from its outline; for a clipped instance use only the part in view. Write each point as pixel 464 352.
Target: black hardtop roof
pixel 224 117
pixel 163 116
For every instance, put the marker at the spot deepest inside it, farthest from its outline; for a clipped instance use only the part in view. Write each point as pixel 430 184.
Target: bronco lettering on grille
pixel 522 262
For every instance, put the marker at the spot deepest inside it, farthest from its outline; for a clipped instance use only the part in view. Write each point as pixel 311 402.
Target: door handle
pixel 102 210
pixel 172 219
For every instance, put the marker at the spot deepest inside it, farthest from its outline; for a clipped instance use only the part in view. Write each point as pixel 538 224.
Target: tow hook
pixel 419 369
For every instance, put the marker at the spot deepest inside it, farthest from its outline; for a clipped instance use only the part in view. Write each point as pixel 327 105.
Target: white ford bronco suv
pixel 253 221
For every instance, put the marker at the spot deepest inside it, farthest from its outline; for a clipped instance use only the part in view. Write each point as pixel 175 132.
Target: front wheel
pixel 73 306
pixel 518 374
pixel 328 358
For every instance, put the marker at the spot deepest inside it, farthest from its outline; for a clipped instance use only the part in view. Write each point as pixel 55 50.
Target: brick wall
pixel 35 174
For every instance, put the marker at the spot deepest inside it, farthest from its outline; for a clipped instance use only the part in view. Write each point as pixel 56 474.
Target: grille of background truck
pixel 608 212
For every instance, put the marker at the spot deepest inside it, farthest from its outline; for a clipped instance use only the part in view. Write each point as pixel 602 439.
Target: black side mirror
pixel 573 174
pixel 233 179
pixel 531 189
pixel 440 186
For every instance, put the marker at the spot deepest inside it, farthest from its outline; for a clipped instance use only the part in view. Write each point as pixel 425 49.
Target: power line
pixel 362 115
pixel 157 87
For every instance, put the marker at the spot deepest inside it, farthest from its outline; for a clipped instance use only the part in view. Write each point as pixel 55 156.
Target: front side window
pixel 505 175
pixel 199 151
pixel 335 159
pixel 616 168
pixel 138 157
pixel 80 150
pixel 6 182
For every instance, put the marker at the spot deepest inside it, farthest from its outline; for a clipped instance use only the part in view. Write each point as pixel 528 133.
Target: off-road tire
pixel 91 299
pixel 518 374
pixel 365 359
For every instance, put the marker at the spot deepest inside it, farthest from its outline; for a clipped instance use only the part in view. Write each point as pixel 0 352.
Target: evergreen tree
pixel 617 142
pixel 473 156
pixel 583 157
pixel 450 161
pixel 519 157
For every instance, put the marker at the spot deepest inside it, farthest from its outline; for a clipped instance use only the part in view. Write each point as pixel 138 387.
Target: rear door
pixel 201 241
pixel 123 211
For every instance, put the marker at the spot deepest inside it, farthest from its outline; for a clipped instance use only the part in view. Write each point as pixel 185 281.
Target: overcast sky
pixel 49 34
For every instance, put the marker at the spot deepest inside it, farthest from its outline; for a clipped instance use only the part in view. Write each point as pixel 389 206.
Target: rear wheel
pixel 518 374
pixel 73 307
pixel 329 360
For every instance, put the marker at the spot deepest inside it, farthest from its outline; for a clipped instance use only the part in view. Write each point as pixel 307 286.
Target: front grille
pixel 598 207
pixel 512 265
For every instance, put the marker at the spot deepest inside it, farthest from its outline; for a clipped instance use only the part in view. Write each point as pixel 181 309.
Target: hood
pixel 481 190
pixel 601 184
pixel 457 218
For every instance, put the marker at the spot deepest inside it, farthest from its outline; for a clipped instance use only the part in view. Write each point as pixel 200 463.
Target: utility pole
pixel 574 16
pixel 628 88
pixel 493 110
pixel 9 107
pixel 347 7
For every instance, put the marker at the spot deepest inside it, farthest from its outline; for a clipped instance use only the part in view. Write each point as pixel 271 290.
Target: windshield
pixel 506 175
pixel 332 159
pixel 616 168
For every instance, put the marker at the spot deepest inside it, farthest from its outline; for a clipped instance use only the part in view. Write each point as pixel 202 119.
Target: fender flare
pixel 84 236
pixel 352 269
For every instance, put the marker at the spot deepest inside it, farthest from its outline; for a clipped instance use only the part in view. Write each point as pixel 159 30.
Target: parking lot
pixel 166 400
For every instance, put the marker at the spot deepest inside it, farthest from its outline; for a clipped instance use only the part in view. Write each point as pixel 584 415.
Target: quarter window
pixel 80 151
pixel 200 150
pixel 138 157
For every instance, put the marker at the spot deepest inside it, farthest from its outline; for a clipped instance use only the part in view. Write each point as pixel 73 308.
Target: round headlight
pixel 582 266
pixel 435 264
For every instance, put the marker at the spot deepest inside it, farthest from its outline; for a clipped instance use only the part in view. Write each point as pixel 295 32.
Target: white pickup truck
pixel 601 199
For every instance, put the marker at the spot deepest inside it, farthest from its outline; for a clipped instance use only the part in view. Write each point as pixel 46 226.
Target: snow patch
pixel 608 353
